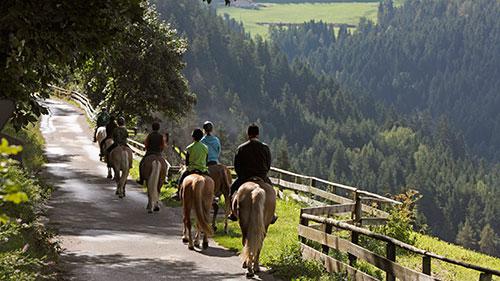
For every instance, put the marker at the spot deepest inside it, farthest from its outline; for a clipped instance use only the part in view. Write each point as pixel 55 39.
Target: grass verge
pixel 282 255
pixel 27 251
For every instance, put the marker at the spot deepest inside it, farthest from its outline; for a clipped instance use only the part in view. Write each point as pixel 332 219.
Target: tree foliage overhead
pixel 38 38
pixel 139 73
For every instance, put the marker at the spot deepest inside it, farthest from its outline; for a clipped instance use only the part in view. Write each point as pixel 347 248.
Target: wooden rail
pixel 388 263
pixel 137 147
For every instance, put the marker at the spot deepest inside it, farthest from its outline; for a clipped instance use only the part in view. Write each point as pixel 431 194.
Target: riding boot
pixel 275 218
pixel 177 196
pixel 232 216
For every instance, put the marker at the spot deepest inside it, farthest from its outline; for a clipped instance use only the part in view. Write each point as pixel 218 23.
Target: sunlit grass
pixel 341 13
pixel 280 234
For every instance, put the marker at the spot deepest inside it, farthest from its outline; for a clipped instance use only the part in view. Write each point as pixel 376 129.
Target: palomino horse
pixel 254 204
pixel 222 179
pixel 197 192
pixel 100 136
pixel 154 169
pixel 120 159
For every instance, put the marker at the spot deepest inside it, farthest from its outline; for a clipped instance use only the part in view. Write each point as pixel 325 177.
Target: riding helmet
pixel 208 126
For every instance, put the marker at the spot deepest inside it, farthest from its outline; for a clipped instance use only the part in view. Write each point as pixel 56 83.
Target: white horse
pixel 155 168
pixel 120 159
pixel 100 136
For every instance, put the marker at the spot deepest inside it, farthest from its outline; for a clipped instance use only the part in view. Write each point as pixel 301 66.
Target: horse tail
pixel 153 180
pixel 201 212
pixel 256 226
pixel 124 167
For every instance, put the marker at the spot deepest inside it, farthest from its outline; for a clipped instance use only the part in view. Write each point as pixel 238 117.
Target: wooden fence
pixel 326 200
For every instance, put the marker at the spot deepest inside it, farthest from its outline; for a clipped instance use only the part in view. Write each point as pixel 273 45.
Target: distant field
pixel 341 13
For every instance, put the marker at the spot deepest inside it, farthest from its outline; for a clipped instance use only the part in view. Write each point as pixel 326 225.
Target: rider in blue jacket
pixel 213 144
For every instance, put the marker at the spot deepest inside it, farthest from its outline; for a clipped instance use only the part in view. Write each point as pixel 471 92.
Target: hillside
pixel 318 127
pixel 283 236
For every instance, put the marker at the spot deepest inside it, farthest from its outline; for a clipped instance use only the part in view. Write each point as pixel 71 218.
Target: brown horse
pixel 197 192
pixel 154 169
pixel 120 159
pixel 107 143
pixel 222 179
pixel 254 204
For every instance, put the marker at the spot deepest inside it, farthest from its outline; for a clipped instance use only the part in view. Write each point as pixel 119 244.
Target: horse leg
pixel 256 266
pixel 227 210
pixel 149 206
pixel 215 206
pixel 109 173
pixel 197 236
pixel 187 225
pixel 205 241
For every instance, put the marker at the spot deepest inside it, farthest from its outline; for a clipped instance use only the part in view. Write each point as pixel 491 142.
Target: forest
pixel 347 107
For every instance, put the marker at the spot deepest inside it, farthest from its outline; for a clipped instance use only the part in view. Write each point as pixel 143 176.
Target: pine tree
pixel 489 241
pixel 466 236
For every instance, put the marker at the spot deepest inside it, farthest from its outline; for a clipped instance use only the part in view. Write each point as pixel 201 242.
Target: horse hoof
pixel 156 209
pixel 244 265
pixel 109 176
pixel 205 245
pixel 250 274
pixel 117 193
pixel 191 248
pixel 185 240
pixel 214 228
pixel 256 268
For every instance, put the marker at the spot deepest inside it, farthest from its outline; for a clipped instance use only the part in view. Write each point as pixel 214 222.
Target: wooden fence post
pixel 328 230
pixel 485 277
pixel 426 265
pixel 357 212
pixel 390 255
pixel 354 240
pixel 304 222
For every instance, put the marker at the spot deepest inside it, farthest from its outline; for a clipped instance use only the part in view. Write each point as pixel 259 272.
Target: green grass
pixel 446 271
pixel 33 157
pixel 282 237
pixel 342 13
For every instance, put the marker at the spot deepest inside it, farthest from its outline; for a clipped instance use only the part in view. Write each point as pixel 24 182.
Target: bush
pixel 26 250
pixel 290 265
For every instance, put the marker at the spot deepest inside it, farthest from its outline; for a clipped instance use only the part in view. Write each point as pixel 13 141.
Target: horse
pixel 107 143
pixel 155 169
pixel 100 136
pixel 120 159
pixel 254 204
pixel 222 179
pixel 197 192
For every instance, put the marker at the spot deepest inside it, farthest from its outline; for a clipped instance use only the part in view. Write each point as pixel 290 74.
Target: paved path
pixel 107 238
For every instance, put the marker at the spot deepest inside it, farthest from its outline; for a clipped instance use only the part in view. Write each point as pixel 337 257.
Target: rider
pixel 102 119
pixel 196 158
pixel 253 159
pixel 119 134
pixel 154 143
pixel 110 127
pixel 213 144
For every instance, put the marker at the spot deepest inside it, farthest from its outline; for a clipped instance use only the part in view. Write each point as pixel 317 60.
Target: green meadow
pixel 340 13
pixel 283 235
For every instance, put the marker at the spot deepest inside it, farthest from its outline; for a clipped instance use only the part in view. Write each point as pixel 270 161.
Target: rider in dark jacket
pixel 154 143
pixel 253 159
pixel 102 119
